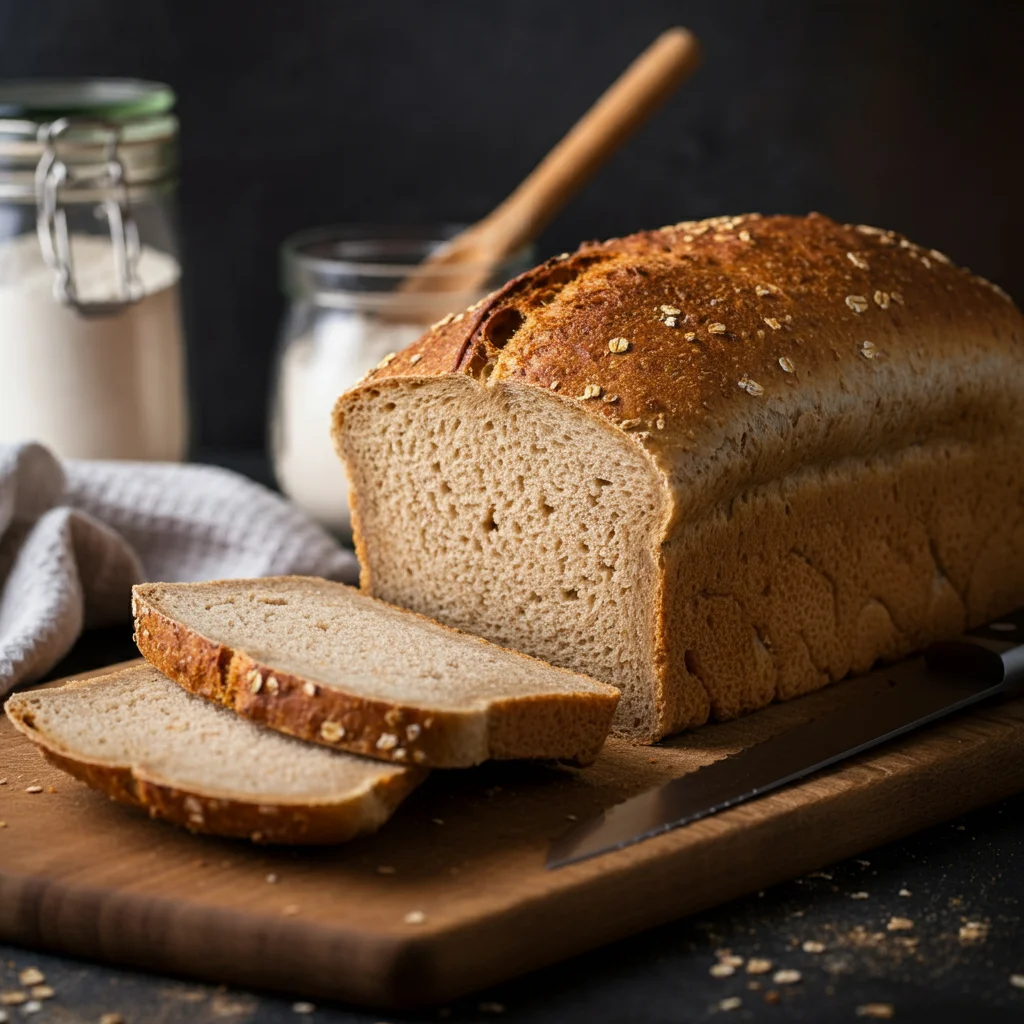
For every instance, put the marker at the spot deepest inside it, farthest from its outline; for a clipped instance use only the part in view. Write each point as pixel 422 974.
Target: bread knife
pixel 952 675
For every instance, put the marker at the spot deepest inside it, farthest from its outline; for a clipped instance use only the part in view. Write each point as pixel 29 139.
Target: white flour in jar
pixel 91 386
pixel 315 369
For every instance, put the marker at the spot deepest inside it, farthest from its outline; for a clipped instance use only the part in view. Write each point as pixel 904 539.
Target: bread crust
pixel 310 823
pixel 744 355
pixel 380 729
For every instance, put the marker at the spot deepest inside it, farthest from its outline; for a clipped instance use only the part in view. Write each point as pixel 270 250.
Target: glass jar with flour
pixel 91 349
pixel 347 311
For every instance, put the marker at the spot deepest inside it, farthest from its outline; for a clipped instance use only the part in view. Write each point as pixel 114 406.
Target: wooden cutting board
pixel 83 876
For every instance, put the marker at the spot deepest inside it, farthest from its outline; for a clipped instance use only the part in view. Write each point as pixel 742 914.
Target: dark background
pixel 903 114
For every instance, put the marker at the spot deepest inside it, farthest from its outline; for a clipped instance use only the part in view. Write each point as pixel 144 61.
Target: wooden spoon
pixel 627 103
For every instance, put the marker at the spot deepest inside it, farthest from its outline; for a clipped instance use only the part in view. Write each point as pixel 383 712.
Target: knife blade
pixel 952 675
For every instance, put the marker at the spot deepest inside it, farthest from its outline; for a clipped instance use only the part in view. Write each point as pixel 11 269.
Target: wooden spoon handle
pixel 624 106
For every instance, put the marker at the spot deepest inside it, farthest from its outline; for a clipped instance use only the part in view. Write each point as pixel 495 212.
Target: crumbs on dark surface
pixel 938 936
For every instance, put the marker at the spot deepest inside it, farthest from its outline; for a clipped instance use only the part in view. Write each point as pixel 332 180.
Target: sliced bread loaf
pixel 717 464
pixel 142 740
pixel 321 661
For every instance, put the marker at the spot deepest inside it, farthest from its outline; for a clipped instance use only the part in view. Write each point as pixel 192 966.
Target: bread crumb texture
pixel 816 465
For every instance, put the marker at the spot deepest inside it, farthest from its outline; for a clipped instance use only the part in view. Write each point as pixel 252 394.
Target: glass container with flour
pixel 91 350
pixel 348 311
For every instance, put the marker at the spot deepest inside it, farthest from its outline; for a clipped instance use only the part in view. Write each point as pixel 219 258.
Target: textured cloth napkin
pixel 74 537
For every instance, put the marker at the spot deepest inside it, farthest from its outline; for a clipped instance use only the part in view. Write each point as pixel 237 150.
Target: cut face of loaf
pixel 718 464
pixel 321 661
pixel 144 741
pixel 509 516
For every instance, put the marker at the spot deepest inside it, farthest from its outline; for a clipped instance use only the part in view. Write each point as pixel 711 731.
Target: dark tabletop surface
pixel 956 955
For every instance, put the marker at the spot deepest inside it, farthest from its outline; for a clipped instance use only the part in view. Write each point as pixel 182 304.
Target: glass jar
pixel 347 311
pixel 91 347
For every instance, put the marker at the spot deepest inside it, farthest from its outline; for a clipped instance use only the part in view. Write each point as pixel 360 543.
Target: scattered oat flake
pixel 303 1007
pixel 670 321
pixel 271 878
pixel 617 346
pixel 31 976
pixel 554 385
pixel 857 303
pixel 787 364
pixel 882 299
pixel 758 965
pixel 721 970
pixel 257 682
pixel 858 261
pixel 858 895
pixel 787 977
pixel 868 350
pixel 415 917
pixel 973 931
pixel 773 323
pixel 32 1006
pixel 690 336
pixel 897 297
pixel 591 391
pixel 670 311
pixel 387 741
pixel 716 328
pixel 905 892
pixel 490 1007
pixel 762 290
pixel 730 1003
pixel 731 959
pixel 744 235
pixel 41 992
pixel 413 360
pixel 33 789
pixel 877 1011
pixel 332 731
pixel 751 387
pixel 1017 980
pixel 900 924
pixel 811 946
pixel 12 998
pixel 610 399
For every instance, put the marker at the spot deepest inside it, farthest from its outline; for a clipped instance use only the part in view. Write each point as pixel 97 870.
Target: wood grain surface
pixel 465 857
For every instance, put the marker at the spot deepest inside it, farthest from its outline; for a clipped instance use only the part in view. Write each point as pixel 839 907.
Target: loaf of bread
pixel 717 464
pixel 323 662
pixel 144 741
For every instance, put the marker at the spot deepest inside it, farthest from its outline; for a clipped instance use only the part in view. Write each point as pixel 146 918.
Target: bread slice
pixel 715 465
pixel 321 661
pixel 142 740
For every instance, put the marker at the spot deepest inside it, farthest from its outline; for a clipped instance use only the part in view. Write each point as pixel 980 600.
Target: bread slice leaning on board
pixel 144 741
pixel 715 465
pixel 320 661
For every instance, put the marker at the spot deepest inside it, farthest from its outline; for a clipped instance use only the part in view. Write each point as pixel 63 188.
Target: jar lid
pixel 110 99
pixel 84 122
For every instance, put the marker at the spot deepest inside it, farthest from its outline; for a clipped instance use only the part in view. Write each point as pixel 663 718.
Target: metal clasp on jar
pixel 54 175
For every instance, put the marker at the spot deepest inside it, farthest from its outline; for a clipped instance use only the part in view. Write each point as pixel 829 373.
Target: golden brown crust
pixel 312 823
pixel 776 319
pixel 379 729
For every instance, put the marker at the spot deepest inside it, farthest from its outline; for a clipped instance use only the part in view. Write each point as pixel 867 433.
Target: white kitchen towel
pixel 74 537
